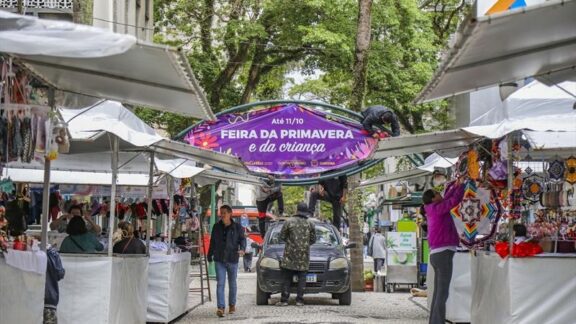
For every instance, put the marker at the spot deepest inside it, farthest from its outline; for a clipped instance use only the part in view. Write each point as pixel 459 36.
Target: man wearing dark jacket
pixel 298 233
pixel 54 273
pixel 227 244
pixel 378 116
pixel 333 191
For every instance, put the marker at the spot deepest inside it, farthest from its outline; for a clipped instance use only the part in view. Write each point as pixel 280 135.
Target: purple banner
pixel 288 140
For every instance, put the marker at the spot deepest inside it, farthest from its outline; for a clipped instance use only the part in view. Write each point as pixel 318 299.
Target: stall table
pixel 539 289
pixel 168 284
pixel 22 287
pixel 100 289
pixel 460 296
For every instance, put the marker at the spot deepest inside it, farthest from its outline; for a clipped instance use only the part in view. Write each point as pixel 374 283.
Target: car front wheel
pixel 261 296
pixel 346 297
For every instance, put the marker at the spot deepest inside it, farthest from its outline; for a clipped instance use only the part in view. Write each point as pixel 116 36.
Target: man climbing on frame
pixel 379 116
pixel 334 191
pixel 268 192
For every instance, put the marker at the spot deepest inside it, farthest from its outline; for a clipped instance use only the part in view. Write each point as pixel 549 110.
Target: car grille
pixel 317 267
pixel 314 284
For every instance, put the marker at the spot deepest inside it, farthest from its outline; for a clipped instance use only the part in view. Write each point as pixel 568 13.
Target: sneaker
pixel 232 309
pixel 299 303
pixel 220 312
pixel 281 303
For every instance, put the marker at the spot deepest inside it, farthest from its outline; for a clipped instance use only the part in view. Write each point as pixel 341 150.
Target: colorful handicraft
pixel 477 214
pixel 532 187
pixel 473 164
pixel 571 170
pixel 556 170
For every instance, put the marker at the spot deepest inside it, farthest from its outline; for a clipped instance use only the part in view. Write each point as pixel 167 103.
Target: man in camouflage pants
pixel 298 233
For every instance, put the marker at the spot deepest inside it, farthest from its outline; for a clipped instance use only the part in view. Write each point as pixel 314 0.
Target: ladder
pixel 202 272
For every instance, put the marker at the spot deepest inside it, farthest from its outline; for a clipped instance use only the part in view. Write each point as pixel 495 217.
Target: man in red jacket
pixel 443 239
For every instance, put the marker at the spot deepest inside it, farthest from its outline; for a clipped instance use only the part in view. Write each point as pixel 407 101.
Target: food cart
pixel 401 260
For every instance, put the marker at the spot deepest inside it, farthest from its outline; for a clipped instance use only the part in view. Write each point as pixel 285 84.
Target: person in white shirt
pixel 248 254
pixel 377 249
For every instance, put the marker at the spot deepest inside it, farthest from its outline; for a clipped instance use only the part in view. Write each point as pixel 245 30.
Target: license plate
pixel 309 278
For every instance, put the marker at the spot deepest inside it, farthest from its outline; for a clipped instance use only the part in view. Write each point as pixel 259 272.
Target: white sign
pixel 401 241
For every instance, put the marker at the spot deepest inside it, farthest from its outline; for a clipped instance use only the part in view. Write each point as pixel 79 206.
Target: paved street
pixel 366 308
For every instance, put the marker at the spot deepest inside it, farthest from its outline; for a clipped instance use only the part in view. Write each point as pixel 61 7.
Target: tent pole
pixel 510 159
pixel 170 185
pixel 113 194
pixel 149 211
pixel 45 205
pixel 212 265
pixel 46 188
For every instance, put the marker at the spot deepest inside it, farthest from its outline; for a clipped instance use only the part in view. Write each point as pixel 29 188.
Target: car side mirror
pixel 351 245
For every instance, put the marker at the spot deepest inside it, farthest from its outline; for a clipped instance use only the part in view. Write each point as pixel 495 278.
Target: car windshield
pixel 324 236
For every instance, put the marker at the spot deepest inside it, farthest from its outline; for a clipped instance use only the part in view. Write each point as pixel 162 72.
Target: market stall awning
pixel 437 161
pixel 392 177
pixel 89 128
pixel 95 62
pixel 213 159
pixel 75 177
pixel 551 140
pixel 178 168
pixel 538 40
pixel 447 142
pixel 212 176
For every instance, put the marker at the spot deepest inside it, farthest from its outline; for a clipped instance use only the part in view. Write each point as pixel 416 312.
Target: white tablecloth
pixel 27 260
pixel 100 289
pixel 460 296
pixel 21 294
pixel 168 282
pixel 523 290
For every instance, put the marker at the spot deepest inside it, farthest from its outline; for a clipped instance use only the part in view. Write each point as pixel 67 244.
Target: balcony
pixel 46 9
pixel 38 4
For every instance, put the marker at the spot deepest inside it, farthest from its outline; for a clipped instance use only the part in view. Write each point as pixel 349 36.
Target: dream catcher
pixel 477 214
pixel 532 188
pixel 556 170
pixel 571 170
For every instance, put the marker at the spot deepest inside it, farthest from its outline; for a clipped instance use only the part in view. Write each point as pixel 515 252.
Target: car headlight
pixel 270 263
pixel 340 263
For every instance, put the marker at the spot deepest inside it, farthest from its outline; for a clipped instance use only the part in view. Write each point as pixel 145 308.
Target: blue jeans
pixel 224 269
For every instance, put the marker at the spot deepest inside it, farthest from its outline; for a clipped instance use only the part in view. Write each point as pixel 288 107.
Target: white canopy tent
pixel 446 143
pixel 393 177
pixel 89 127
pixel 544 114
pixel 537 40
pixel 539 111
pixel 430 164
pixel 95 62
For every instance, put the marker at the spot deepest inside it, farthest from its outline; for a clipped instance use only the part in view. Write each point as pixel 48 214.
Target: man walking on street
pixel 443 239
pixel 268 192
pixel 377 249
pixel 298 233
pixel 333 191
pixel 227 244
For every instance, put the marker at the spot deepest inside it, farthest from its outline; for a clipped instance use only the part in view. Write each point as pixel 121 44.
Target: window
pixel 324 235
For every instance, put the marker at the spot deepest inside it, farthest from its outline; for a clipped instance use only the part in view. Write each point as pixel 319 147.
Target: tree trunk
pixel 77 11
pixel 356 235
pixel 254 73
pixel 361 56
pixel 206 27
pixel 228 73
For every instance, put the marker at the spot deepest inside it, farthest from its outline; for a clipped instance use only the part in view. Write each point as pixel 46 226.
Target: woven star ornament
pixel 476 216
